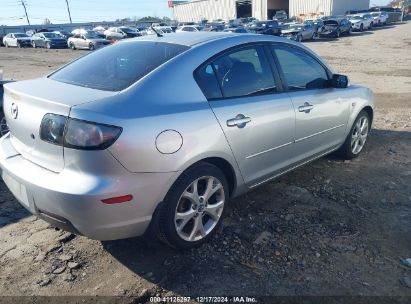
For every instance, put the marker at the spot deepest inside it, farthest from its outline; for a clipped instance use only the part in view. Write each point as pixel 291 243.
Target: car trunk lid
pixel 26 103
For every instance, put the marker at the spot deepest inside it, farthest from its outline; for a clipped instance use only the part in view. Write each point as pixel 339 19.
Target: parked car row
pixel 330 26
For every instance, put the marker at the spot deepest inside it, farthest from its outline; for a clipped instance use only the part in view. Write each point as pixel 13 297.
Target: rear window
pixel 117 67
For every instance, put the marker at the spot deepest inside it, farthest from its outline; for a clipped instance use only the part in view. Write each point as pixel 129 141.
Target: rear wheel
pixel 91 47
pixel 48 45
pixel 19 45
pixel 356 139
pixel 6 45
pixel 72 46
pixel 194 206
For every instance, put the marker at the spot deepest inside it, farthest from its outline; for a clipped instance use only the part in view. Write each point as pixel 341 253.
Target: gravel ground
pixel 333 227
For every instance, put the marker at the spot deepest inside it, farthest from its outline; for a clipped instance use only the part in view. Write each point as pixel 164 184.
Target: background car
pixel 88 40
pixel 239 30
pixel 336 28
pixel 189 28
pixel 48 40
pixel 318 25
pixel 17 39
pixel 299 32
pixel 380 18
pixel 361 22
pixel 64 34
pixel 122 32
pixel 269 27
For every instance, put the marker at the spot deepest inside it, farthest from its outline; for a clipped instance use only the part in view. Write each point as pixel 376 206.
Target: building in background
pixel 198 10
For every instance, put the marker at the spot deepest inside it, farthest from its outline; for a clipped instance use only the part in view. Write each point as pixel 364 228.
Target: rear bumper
pixel 71 199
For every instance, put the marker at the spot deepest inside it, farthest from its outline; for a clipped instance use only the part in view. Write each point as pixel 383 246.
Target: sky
pixel 12 13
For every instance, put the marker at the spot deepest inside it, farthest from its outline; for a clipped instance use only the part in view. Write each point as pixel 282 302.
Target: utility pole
pixel 25 10
pixel 68 9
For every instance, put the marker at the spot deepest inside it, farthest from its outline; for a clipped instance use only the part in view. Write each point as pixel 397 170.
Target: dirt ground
pixel 333 227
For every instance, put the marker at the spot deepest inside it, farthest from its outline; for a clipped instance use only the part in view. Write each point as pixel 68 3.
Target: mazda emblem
pixel 14 110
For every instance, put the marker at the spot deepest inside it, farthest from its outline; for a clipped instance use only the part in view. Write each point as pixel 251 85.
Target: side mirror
pixel 339 81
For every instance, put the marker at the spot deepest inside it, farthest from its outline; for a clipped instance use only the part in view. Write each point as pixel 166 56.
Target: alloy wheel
pixel 199 208
pixel 359 135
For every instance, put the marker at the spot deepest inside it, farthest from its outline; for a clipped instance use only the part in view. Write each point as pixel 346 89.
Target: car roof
pixel 199 38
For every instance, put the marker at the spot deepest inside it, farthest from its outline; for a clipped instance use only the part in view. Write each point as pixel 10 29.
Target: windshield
pixel 51 35
pixel 20 35
pixel 116 67
pixel 330 22
pixel 375 14
pixel 355 17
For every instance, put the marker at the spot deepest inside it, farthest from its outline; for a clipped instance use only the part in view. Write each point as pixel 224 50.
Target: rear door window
pixel 116 67
pixel 244 72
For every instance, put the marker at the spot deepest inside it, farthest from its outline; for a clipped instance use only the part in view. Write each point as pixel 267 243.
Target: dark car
pixel 336 28
pixel 48 40
pixel 270 27
pixel 238 30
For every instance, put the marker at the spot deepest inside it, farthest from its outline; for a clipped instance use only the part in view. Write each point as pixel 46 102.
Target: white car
pixel 17 39
pixel 189 28
pixel 122 32
pixel 380 18
pixel 164 29
pixel 361 22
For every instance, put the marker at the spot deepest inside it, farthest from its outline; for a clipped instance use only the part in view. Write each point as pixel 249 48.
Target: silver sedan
pixel 157 134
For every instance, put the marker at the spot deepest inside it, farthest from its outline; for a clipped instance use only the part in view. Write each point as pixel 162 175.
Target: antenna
pixel 25 10
pixel 159 35
pixel 68 9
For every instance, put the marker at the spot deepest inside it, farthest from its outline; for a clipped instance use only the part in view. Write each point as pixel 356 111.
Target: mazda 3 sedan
pixel 157 134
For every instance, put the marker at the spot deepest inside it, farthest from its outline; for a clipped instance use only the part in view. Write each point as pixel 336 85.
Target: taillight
pixel 77 134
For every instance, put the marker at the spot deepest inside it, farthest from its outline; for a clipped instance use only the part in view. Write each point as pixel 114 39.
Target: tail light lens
pixel 77 134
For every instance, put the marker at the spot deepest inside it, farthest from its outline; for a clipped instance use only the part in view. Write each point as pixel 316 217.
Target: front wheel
pixel 48 45
pixel 337 34
pixel 72 46
pixel 361 28
pixel 91 47
pixel 356 139
pixel 194 206
pixel 299 38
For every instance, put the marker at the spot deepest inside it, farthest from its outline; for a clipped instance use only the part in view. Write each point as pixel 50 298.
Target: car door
pixel 40 40
pixel 257 118
pixel 322 112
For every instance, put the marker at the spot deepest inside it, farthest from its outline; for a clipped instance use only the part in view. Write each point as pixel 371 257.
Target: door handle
pixel 239 121
pixel 306 108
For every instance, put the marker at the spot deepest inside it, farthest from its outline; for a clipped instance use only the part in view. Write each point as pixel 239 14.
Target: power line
pixel 68 9
pixel 25 10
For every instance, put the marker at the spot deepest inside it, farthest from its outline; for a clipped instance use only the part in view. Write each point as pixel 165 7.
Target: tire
pixel 91 47
pixel 186 232
pixel 337 34
pixel 362 28
pixel 72 46
pixel 299 38
pixel 6 44
pixel 349 31
pixel 351 149
pixel 48 45
pixel 34 44
pixel 19 45
pixel 4 129
pixel 371 25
